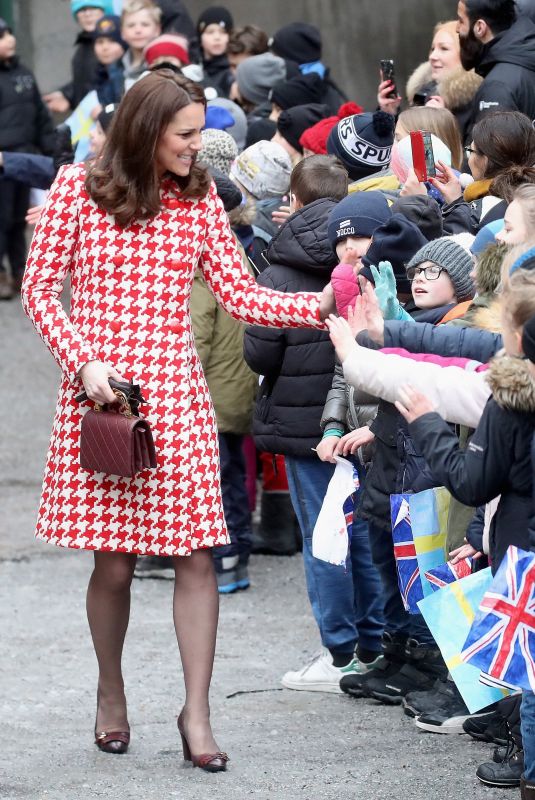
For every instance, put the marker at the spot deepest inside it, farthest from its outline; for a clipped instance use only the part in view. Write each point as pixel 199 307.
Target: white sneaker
pixel 319 675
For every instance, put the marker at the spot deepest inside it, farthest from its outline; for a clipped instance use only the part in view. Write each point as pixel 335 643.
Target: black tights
pixel 195 613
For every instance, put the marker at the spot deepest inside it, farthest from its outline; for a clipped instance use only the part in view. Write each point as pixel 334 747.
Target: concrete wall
pixel 356 33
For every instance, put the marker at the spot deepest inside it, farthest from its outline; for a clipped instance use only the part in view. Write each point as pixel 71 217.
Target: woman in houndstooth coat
pixel 130 230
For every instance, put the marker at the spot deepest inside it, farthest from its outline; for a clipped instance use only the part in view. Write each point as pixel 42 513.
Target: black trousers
pixel 14 202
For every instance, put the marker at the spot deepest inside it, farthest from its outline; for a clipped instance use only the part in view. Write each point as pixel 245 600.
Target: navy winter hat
pixel 215 15
pixel 397 240
pixel 106 115
pixel 293 122
pixel 298 42
pixel 109 27
pixel 358 214
pixel 363 142
pixel 423 211
pixel 298 91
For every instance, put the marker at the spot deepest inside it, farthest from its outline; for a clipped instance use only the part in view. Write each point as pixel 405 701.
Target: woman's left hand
pixel 412 185
pixel 33 214
pixel 413 404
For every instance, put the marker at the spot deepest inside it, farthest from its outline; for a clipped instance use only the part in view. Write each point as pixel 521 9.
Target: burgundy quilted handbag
pixel 116 441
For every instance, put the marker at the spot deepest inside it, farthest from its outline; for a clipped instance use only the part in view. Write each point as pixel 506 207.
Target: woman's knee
pixel 197 567
pixel 114 570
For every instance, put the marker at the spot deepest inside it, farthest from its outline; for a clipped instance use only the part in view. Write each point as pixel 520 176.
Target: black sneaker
pixel 417 703
pixel 159 567
pixel 391 689
pixel 506 774
pixel 448 718
pixel 487 728
pixel 355 683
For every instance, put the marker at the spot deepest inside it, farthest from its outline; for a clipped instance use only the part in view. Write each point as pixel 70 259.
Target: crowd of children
pixel 319 191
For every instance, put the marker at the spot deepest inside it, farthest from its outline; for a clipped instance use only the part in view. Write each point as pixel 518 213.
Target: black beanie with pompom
pixel 363 143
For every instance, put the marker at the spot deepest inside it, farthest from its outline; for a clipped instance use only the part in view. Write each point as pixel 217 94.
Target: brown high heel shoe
pixel 210 762
pixel 113 742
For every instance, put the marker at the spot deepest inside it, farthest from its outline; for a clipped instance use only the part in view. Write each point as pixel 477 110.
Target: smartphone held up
pixel 388 74
pixel 423 158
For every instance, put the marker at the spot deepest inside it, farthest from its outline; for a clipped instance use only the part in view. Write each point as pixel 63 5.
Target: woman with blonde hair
pixel 440 81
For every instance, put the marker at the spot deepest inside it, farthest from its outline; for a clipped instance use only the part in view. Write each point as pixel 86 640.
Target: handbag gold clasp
pixel 124 409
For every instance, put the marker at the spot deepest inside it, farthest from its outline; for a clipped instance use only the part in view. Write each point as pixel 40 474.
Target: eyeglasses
pixel 431 273
pixel 470 150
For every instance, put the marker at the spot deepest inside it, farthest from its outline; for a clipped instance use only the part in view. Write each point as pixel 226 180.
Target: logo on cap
pixel 360 149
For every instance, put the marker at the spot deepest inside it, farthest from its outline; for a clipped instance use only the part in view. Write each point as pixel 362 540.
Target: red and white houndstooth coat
pixel 130 292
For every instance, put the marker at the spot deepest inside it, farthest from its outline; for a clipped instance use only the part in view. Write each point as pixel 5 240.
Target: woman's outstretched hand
pixel 327 302
pixel 413 404
pixel 94 375
pixel 388 104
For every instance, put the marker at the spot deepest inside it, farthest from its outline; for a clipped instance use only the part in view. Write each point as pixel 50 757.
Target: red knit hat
pixel 167 45
pixel 315 138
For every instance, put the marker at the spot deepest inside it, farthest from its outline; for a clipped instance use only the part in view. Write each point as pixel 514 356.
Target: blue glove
pixel 386 292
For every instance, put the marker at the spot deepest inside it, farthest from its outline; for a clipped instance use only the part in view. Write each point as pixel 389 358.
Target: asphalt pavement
pixel 283 745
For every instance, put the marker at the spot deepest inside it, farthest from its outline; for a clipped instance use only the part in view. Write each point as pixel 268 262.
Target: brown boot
pixel 527 789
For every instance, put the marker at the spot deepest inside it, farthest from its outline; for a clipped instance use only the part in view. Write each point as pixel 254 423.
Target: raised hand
pixel 412 404
pixel 447 182
pixel 375 323
pixel 341 336
pixel 388 104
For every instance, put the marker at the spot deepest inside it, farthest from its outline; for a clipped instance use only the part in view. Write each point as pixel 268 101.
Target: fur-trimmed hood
pixel 457 89
pixel 489 318
pixel 511 384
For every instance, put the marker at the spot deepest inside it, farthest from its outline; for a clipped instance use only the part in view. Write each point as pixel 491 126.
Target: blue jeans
pixel 397 620
pixel 527 725
pixel 235 499
pixel 346 603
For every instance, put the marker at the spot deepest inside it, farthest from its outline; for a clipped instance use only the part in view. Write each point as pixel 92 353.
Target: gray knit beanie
pixel 454 258
pixel 257 75
pixel 218 149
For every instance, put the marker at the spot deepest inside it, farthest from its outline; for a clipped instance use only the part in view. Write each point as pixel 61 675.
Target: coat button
pixel 173 204
pixel 118 260
pixel 115 325
pixel 175 326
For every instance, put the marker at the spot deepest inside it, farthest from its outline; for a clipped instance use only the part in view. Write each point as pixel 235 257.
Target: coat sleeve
pixel 50 259
pixel 237 291
pixel 478 474
pixel 443 340
pixel 459 396
pixel 33 170
pixel 335 410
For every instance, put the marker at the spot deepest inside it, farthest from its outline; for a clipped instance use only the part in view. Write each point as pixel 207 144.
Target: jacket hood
pixel 514 46
pixel 302 241
pixel 511 384
pixel 459 88
pixel 417 80
pixel 489 318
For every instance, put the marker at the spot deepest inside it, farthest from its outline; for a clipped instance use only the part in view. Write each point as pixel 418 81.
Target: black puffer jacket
pixel 84 67
pixel 25 124
pixel 497 460
pixel 508 68
pixel 298 364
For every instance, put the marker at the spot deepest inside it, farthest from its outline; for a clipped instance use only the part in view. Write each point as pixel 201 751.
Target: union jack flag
pixel 448 572
pixel 405 553
pixel 501 641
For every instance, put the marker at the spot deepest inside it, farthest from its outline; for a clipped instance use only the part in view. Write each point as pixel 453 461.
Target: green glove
pixel 386 291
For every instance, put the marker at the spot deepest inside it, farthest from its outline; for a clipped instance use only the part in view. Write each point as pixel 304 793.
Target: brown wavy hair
pixel 507 139
pixel 124 180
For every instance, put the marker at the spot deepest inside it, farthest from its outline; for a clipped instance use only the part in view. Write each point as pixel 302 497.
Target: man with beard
pixel 501 48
